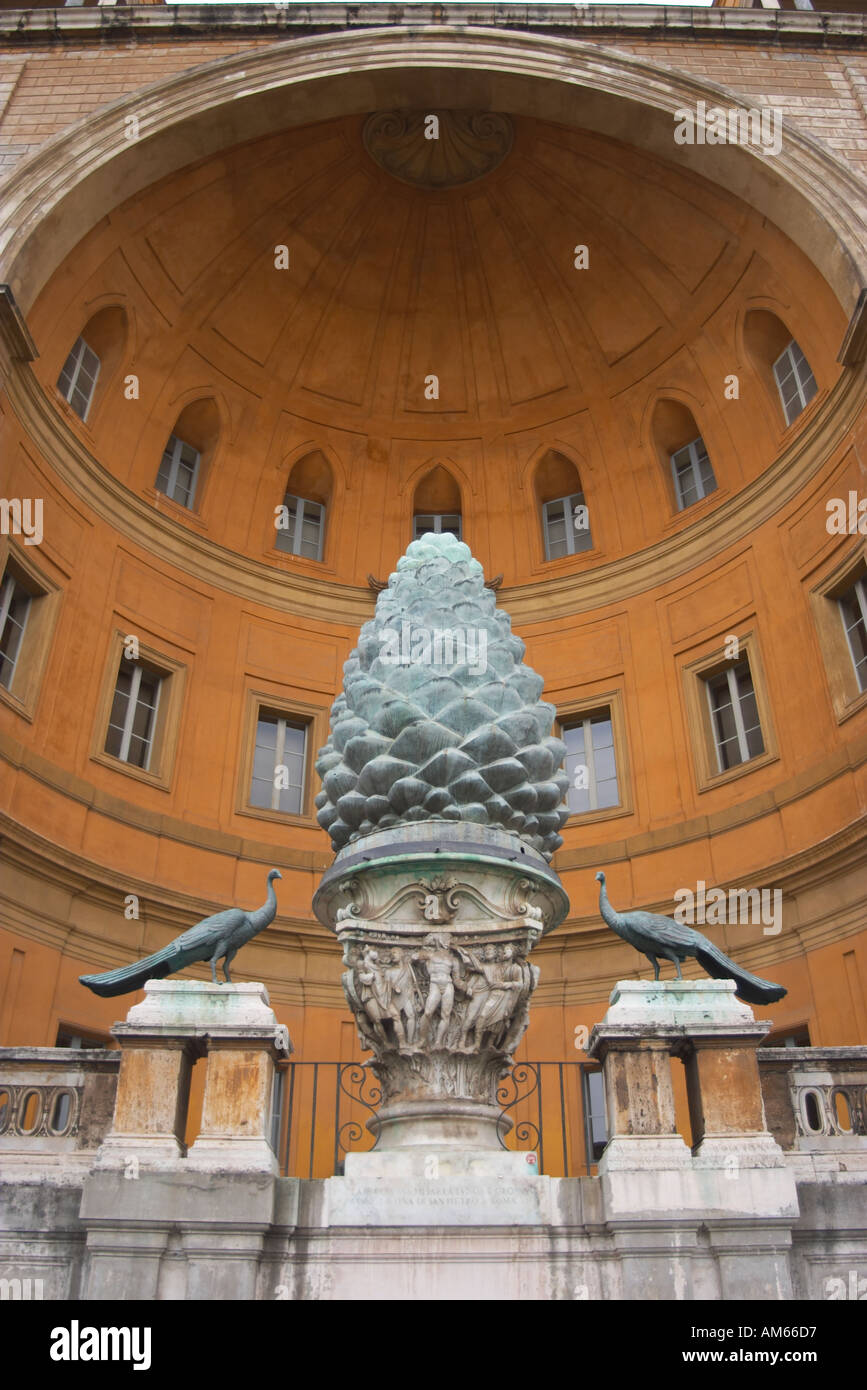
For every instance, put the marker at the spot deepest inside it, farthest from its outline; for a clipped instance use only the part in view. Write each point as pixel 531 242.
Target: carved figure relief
pixel 444 993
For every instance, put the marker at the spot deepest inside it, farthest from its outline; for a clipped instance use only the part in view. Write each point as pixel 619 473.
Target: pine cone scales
pixel 439 719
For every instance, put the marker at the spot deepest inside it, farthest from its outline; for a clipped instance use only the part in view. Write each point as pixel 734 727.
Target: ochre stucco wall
pixel 387 283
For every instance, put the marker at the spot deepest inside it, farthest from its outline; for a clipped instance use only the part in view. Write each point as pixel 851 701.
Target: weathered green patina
pixel 439 718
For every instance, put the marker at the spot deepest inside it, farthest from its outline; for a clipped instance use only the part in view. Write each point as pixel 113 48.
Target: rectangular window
pixel 693 474
pixel 799 1036
pixel 595 1120
pixel 179 471
pixel 853 610
pixel 15 602
pixel 795 381
pixel 77 381
pixel 591 765
pixel 72 1036
pixel 734 716
pixel 566 526
pixel 301 528
pixel 279 757
pixel 132 721
pixel 278 1100
pixel 426 522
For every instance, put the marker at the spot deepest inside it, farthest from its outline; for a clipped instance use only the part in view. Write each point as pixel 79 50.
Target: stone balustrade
pixel 815 1097
pixel 56 1100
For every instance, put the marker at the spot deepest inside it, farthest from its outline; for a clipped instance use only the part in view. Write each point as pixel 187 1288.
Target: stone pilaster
pixel 16 344
pixel 177 1022
pixel 153 1091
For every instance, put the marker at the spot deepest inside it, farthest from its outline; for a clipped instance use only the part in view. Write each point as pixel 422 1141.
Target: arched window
pixel 795 381
pixel 437 504
pixel 780 361
pixel 300 519
pixel 683 451
pixel 562 507
pixel 92 358
pixel 189 448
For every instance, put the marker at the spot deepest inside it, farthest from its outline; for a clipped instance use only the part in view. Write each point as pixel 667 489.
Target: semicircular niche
pixel 437 149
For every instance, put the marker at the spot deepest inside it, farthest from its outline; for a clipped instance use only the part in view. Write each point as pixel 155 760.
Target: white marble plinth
pixel 631 1153
pixel 181 1008
pixel 132 1151
pixel 232 1153
pixel 686 1191
pixel 491 1200
pixel 441 1161
pixel 697 1006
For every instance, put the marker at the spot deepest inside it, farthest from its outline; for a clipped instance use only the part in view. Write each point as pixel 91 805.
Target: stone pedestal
pixel 703 1023
pixel 178 1021
pixel 735 1169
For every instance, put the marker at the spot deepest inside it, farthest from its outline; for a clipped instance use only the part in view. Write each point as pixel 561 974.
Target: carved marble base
pixel 433 1162
pixel 435 940
pixel 440 1123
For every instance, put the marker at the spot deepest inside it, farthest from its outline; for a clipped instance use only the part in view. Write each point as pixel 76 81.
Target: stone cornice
pixel 743 812
pixel 173 912
pixel 206 22
pixel 75 872
pixel 802 459
pixel 305 861
pixel 762 956
pixel 159 534
pixel 326 601
pixel 127 813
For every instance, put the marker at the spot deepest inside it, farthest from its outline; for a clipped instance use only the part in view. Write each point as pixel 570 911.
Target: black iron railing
pixel 321 1110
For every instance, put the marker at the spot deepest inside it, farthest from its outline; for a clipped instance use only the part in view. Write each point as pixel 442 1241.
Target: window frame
pixel 697 479
pixel 172 674
pixel 300 504
pixel 846 697
pixel 697 710
pixel 795 373
pixel 729 672
pixel 9 582
pixel 860 590
pixel 569 502
pixel 126 734
pixel 608 703
pixel 437 518
pixel 586 723
pixel 81 342
pixel 36 639
pixel 283 721
pixel 590 1145
pixel 174 466
pixel 298 711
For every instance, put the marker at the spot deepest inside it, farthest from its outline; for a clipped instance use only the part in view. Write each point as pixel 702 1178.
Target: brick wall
pixel 50 80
